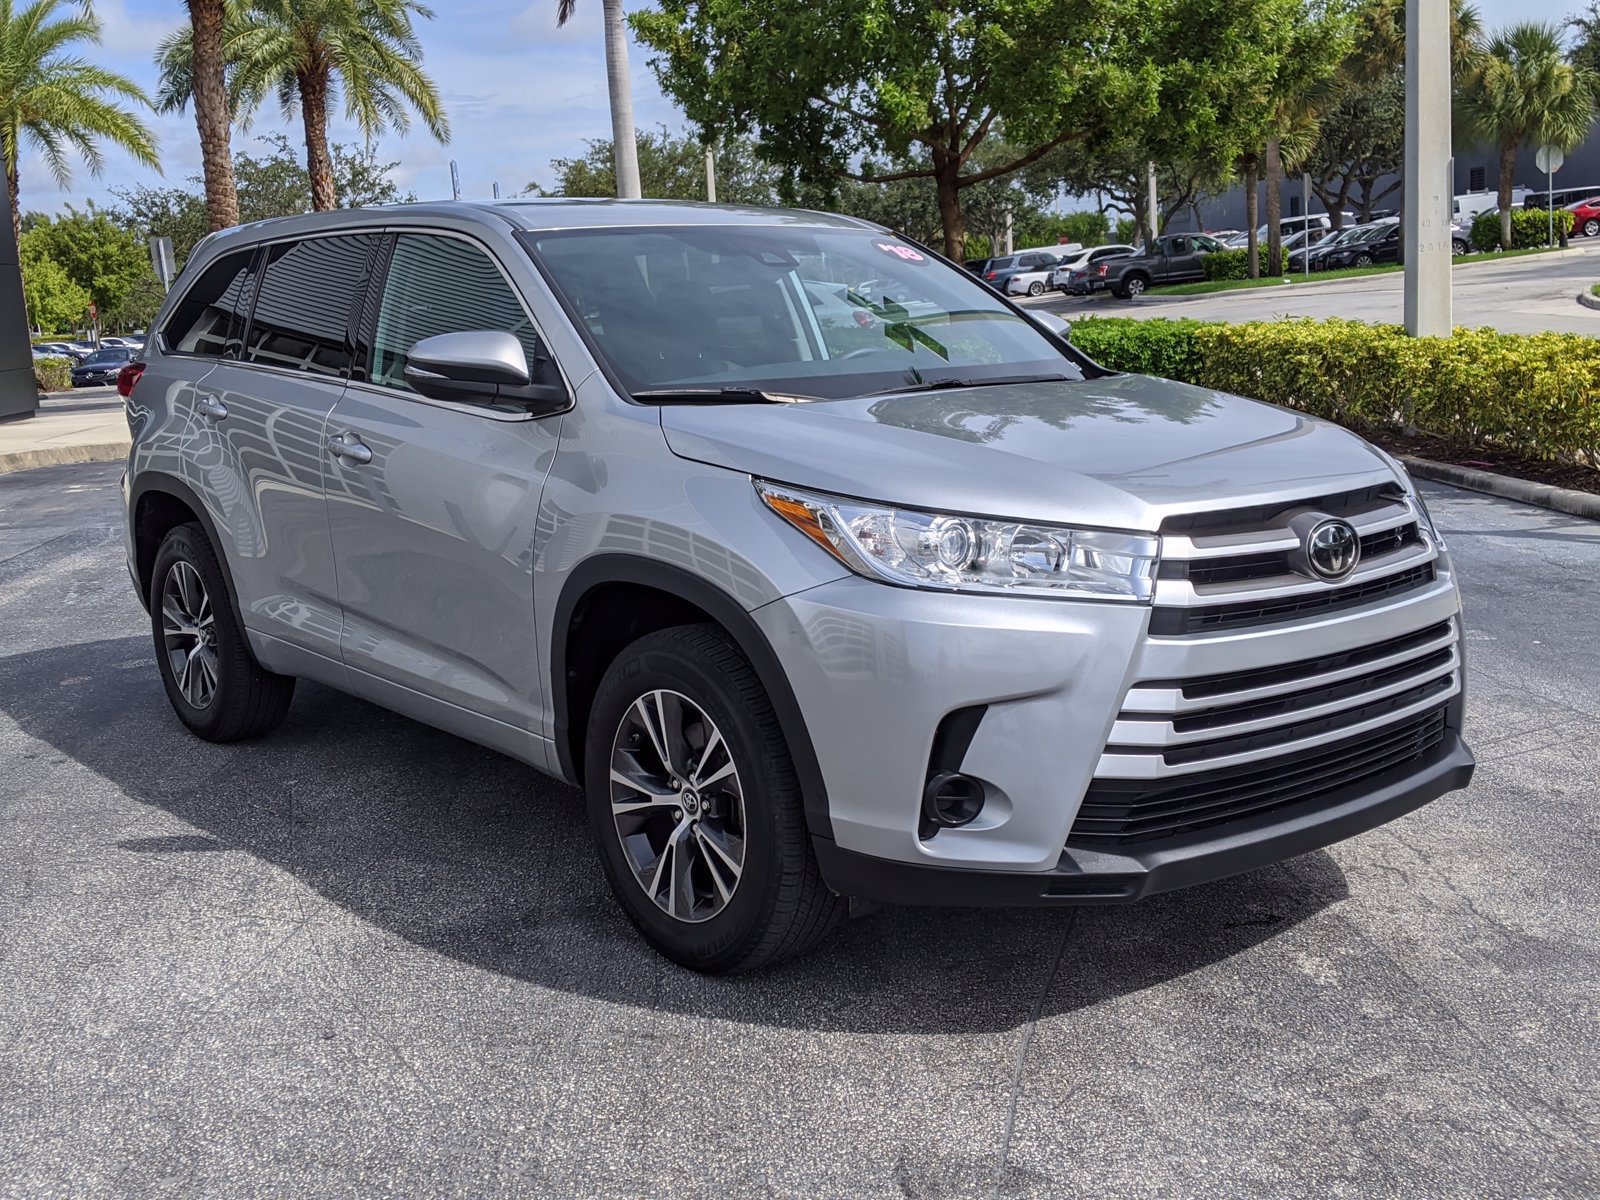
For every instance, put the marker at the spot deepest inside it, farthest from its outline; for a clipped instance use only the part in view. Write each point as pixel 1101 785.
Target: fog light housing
pixel 951 800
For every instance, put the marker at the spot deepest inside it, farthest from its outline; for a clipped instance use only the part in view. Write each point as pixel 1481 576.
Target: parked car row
pixel 78 353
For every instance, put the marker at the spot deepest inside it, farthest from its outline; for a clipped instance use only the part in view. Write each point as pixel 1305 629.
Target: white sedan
pixel 1082 260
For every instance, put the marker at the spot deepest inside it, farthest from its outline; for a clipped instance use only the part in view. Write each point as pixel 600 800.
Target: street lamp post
pixel 1428 185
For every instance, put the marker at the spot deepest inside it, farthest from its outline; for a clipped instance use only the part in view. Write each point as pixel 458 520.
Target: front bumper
pixel 1084 876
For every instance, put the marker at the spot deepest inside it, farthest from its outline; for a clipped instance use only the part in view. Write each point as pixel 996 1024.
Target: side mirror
pixel 479 366
pixel 1056 326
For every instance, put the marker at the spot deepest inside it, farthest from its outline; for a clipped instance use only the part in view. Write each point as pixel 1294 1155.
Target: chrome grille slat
pixel 1183 593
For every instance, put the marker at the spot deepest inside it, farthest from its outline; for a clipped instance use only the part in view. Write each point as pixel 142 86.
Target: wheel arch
pixel 581 650
pixel 157 504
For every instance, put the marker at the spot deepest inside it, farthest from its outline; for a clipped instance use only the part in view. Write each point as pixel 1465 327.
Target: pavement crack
pixel 1022 1054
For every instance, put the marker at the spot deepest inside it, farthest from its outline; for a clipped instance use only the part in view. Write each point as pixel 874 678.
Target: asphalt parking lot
pixel 361 957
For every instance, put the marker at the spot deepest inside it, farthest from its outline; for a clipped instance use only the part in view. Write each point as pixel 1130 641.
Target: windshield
pixel 786 309
pixel 102 357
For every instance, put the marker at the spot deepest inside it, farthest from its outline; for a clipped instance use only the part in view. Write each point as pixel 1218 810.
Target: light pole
pixel 1428 185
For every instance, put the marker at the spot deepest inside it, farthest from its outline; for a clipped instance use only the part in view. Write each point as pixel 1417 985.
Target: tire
pixel 224 695
pixel 1362 260
pixel 1134 286
pixel 1591 227
pixel 1458 247
pixel 690 682
pixel 1036 289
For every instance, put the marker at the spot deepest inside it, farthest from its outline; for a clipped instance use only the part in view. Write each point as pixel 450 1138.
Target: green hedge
pixel 1235 264
pixel 53 374
pixel 1530 227
pixel 1534 394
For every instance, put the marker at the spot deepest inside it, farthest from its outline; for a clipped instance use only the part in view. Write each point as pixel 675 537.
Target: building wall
pixel 19 396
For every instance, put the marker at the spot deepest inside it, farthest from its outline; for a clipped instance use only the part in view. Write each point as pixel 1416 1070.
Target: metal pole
pixel 1155 205
pixel 711 178
pixel 455 181
pixel 1427 158
pixel 497 189
pixel 1550 206
pixel 1305 211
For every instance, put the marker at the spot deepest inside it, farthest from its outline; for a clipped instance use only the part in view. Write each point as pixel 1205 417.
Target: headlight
pixel 970 554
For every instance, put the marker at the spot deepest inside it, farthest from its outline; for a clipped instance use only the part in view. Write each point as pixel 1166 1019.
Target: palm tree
pixel 305 51
pixel 1522 90
pixel 621 88
pixel 211 117
pixel 56 101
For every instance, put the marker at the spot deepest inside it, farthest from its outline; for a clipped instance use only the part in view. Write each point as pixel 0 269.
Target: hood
pixel 1122 451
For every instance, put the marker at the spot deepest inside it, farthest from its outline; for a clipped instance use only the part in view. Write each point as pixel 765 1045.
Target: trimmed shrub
pixel 53 374
pixel 1536 395
pixel 1235 264
pixel 1530 227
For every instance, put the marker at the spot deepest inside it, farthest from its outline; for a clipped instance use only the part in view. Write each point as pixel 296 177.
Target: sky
pixel 518 92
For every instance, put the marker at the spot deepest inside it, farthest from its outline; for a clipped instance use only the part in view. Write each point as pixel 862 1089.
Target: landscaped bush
pixel 1530 227
pixel 1235 264
pixel 1534 394
pixel 53 374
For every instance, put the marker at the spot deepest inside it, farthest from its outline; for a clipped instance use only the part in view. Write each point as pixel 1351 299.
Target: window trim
pixel 244 311
pixel 366 334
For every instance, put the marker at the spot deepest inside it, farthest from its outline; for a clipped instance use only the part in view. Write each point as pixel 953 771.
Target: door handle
pixel 212 408
pixel 349 447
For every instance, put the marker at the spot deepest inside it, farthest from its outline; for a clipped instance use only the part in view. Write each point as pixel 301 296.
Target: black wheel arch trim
pixel 741 627
pixel 170 485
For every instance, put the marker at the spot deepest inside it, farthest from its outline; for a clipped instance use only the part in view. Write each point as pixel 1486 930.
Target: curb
pixel 61 456
pixel 1589 300
pixel 1541 495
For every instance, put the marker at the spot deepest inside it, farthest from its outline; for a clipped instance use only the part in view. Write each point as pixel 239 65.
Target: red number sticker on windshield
pixel 904 253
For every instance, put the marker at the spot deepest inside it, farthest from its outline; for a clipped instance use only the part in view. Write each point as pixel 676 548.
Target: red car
pixel 1586 216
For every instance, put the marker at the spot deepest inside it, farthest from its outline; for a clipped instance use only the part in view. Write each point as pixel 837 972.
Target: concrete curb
pixel 1589 300
pixel 1541 495
pixel 60 456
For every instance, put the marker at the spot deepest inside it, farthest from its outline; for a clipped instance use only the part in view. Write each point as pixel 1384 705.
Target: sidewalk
pixel 70 427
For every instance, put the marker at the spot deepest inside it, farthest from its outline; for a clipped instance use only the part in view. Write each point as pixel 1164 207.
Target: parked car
pixel 61 350
pixel 1559 198
pixel 1034 282
pixel 1061 278
pixel 1367 245
pixel 1586 216
pixel 1171 258
pixel 952 616
pixel 101 367
pixel 999 271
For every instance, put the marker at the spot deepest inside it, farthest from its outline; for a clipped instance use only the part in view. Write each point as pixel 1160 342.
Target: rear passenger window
pixel 209 319
pixel 445 285
pixel 302 312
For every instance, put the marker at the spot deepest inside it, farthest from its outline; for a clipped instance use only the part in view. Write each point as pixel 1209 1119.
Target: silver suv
pixel 827 573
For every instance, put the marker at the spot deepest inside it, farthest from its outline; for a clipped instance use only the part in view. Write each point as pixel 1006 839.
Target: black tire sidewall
pixel 188 544
pixel 766 775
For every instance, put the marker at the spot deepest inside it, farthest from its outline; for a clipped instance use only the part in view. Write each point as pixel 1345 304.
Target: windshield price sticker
pixel 903 253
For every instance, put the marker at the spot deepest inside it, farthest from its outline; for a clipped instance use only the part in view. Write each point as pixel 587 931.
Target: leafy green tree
pixel 1118 176
pixel 671 166
pixel 55 303
pixel 56 101
pixel 1360 147
pixel 305 52
pixel 1585 51
pixel 102 257
pixel 829 83
pixel 1522 91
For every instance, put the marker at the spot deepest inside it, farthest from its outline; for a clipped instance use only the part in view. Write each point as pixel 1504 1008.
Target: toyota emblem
pixel 1332 548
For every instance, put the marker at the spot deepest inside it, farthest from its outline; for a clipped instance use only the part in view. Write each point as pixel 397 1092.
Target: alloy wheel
pixel 1135 286
pixel 1036 289
pixel 678 806
pixel 1591 227
pixel 189 634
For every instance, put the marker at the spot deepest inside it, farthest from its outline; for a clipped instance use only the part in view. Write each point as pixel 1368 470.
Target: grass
pixel 1594 289
pixel 1234 285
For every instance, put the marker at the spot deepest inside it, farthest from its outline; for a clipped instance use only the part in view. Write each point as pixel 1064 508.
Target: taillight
pixel 128 377
pixel 1101 269
pixel 990 274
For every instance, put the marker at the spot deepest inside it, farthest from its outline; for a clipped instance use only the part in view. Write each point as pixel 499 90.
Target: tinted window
pixel 445 285
pixel 302 311
pixel 208 319
pixel 102 358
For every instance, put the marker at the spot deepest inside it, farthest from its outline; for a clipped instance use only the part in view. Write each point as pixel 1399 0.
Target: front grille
pixel 1176 622
pixel 1123 811
pixel 1236 569
pixel 1341 504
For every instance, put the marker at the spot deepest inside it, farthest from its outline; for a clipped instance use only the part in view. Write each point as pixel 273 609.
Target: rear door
pixel 260 413
pixel 433 505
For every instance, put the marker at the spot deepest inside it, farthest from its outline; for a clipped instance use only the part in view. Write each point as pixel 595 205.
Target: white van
pixel 1464 208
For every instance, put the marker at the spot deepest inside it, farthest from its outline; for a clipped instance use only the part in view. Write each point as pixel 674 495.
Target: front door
pixel 433 508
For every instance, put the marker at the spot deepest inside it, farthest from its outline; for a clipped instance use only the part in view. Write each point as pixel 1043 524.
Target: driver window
pixel 440 284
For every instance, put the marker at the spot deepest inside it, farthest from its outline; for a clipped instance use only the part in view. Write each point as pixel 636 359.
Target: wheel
pixel 1134 286
pixel 1591 227
pixel 695 806
pixel 1458 247
pixel 1036 288
pixel 1363 260
pixel 212 679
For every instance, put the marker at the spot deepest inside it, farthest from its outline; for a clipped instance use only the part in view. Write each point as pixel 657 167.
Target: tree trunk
pixel 947 172
pixel 13 187
pixel 1274 173
pixel 624 146
pixel 1508 169
pixel 211 115
pixel 319 166
pixel 1252 218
